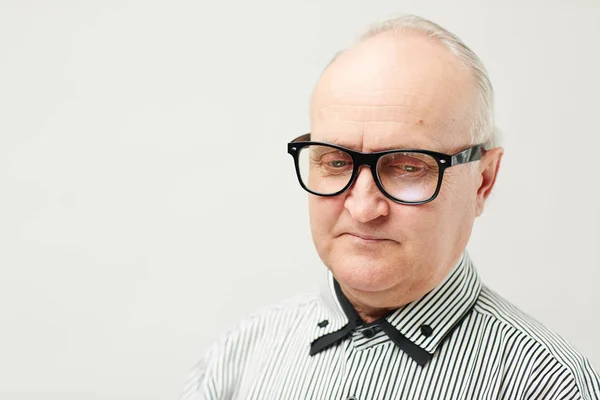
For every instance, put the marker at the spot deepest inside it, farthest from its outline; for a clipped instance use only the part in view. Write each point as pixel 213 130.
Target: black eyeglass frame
pixel 359 159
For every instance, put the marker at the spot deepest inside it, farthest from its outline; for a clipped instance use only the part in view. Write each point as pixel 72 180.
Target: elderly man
pixel 399 162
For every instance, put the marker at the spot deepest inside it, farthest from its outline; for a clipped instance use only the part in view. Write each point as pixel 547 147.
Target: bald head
pixel 395 84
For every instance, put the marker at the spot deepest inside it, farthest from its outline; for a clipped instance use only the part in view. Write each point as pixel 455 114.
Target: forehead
pixel 393 92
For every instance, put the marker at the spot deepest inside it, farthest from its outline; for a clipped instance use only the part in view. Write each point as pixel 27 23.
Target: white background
pixel 147 201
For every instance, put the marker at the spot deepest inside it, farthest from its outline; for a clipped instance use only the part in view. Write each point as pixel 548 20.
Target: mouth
pixel 366 238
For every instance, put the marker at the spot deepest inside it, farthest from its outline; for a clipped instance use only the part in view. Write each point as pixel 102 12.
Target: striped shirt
pixel 460 341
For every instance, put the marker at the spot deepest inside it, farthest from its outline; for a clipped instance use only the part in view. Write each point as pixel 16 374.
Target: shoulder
pixel 546 356
pixel 278 316
pixel 251 340
pixel 268 323
pixel 512 319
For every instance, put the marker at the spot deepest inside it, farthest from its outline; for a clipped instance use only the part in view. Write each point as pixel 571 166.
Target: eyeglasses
pixel 406 176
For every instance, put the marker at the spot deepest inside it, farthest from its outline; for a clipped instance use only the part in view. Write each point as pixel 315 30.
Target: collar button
pixel 323 323
pixel 368 333
pixel 426 330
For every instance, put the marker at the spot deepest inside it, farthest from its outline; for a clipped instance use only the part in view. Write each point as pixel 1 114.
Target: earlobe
pixel 489 167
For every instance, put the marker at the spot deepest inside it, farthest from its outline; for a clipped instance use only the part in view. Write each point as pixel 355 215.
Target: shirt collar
pixel 418 327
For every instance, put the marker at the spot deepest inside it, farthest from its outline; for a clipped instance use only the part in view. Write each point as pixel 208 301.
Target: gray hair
pixel 482 126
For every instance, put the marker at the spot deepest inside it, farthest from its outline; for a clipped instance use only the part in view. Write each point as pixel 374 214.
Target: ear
pixel 488 171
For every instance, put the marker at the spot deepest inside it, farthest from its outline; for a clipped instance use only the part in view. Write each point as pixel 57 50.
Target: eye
pixel 336 160
pixel 338 163
pixel 405 163
pixel 409 168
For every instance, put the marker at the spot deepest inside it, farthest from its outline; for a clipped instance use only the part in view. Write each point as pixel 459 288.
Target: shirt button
pixel 368 333
pixel 323 323
pixel 426 330
pixel 352 398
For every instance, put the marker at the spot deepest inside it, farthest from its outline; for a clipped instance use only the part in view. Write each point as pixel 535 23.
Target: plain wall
pixel 147 201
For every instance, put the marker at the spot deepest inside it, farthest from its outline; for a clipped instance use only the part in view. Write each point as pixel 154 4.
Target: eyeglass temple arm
pixel 471 154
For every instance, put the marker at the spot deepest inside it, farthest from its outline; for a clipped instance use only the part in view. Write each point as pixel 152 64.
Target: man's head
pixel 400 89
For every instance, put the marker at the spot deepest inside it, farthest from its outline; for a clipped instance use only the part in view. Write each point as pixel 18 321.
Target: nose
pixel 364 201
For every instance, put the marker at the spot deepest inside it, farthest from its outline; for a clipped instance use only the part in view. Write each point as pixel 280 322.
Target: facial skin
pixel 396 91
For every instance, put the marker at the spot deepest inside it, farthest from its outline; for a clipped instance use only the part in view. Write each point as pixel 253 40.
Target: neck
pixel 367 313
pixel 369 316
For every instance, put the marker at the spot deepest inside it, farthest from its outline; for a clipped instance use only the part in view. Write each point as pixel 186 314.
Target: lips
pixel 367 237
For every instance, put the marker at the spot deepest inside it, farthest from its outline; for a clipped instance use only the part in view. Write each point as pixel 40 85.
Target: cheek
pixel 324 213
pixel 437 222
pixel 458 195
pixel 416 224
pixel 455 208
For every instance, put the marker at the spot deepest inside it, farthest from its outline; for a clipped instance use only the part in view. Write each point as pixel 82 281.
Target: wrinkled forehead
pixel 394 92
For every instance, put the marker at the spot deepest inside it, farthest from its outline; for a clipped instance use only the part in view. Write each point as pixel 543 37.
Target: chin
pixel 365 274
